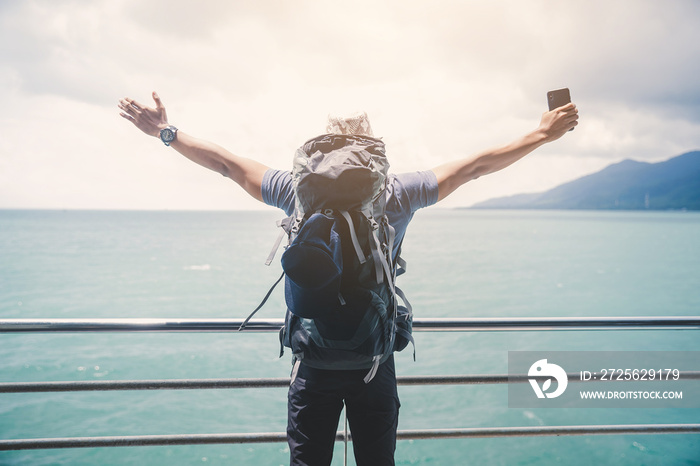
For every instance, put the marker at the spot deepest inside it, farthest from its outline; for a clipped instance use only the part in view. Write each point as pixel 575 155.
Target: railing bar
pixel 142 440
pixel 511 378
pixel 112 385
pixel 204 384
pixel 274 437
pixel 427 324
pixel 549 430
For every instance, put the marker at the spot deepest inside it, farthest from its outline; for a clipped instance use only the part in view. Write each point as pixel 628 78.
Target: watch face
pixel 167 135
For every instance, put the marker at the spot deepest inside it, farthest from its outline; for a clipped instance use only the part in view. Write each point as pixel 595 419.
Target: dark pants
pixel 316 400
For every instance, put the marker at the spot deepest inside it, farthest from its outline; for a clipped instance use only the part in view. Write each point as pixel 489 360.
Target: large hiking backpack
pixel 342 301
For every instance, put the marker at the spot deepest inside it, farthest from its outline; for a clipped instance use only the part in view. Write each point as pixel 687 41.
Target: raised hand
pixel 554 124
pixel 147 119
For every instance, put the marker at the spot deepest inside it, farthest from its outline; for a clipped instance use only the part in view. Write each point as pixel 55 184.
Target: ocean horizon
pixel 210 264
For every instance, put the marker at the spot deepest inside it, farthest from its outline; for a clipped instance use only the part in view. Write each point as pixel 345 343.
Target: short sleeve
pixel 416 190
pixel 406 193
pixel 277 190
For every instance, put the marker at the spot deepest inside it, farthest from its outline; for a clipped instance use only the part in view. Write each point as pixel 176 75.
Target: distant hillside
pixel 628 185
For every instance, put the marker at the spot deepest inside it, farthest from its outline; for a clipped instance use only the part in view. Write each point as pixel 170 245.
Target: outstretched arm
pixel 553 125
pixel 247 173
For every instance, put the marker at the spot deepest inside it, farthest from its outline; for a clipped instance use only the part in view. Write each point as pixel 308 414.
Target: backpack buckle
pixel 373 223
pixel 296 225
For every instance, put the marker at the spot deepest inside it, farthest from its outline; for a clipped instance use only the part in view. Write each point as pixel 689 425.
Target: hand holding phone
pixel 558 98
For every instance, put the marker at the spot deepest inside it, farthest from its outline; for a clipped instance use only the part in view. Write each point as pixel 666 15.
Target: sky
pixel 440 80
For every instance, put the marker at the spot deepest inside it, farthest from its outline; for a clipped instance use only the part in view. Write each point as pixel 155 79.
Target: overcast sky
pixel 440 80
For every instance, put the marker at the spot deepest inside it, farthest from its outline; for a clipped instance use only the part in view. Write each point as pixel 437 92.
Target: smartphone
pixel 558 98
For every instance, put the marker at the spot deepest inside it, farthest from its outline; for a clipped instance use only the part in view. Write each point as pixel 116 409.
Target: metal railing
pixel 278 382
pixel 424 325
pixel 274 325
pixel 277 437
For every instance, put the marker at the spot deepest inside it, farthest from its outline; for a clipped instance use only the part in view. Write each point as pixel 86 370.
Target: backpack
pixel 342 301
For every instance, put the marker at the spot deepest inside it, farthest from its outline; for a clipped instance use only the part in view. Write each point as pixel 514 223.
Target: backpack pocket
pixel 334 342
pixel 404 329
pixel 313 264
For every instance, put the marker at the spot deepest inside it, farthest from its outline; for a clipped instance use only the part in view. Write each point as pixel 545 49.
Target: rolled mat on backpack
pixel 314 266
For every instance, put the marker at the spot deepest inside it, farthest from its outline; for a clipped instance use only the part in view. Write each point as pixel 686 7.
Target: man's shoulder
pixel 416 179
pixel 277 189
pixel 414 190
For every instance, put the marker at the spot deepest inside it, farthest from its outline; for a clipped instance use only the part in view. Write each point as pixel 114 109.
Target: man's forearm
pixel 452 175
pixel 247 173
pixel 553 125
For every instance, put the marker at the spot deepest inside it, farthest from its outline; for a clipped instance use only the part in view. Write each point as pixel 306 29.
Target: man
pixel 316 397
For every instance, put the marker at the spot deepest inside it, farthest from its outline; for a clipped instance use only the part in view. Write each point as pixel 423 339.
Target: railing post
pixel 345 435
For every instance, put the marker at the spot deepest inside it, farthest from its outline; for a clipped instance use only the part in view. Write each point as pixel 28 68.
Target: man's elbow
pixel 468 174
pixel 225 170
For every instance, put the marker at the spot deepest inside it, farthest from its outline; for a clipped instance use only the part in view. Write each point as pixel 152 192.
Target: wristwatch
pixel 168 134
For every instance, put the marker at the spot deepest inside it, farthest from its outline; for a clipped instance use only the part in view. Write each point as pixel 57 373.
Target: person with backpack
pixel 347 217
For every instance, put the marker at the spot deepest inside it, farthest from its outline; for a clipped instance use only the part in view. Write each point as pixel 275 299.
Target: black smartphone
pixel 558 98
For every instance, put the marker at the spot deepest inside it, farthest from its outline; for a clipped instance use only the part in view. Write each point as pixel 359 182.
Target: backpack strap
pixel 407 335
pixel 269 292
pixel 402 295
pixel 373 371
pixel 353 236
pixel 381 262
pixel 401 266
pixel 281 335
pixel 384 269
pixel 409 316
pixel 381 265
pixel 286 225
pixel 295 368
pixel 391 232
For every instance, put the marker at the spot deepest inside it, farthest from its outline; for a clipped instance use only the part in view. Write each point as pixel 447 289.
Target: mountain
pixel 628 185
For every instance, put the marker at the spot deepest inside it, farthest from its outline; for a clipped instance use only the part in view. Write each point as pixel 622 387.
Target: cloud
pixel 440 80
pixel 60 48
pixel 641 54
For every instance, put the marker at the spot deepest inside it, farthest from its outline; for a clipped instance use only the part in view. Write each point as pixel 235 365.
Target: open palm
pixel 147 119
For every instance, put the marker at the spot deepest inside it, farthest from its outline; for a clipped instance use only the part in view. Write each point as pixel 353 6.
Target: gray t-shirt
pixel 405 194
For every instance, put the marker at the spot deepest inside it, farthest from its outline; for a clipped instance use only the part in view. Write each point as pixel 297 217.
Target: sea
pixel 461 263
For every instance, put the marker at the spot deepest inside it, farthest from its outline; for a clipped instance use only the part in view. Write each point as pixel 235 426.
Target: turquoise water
pixel 461 263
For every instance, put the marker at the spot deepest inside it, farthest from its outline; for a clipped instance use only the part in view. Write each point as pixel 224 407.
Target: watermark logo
pixel 603 379
pixel 541 369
